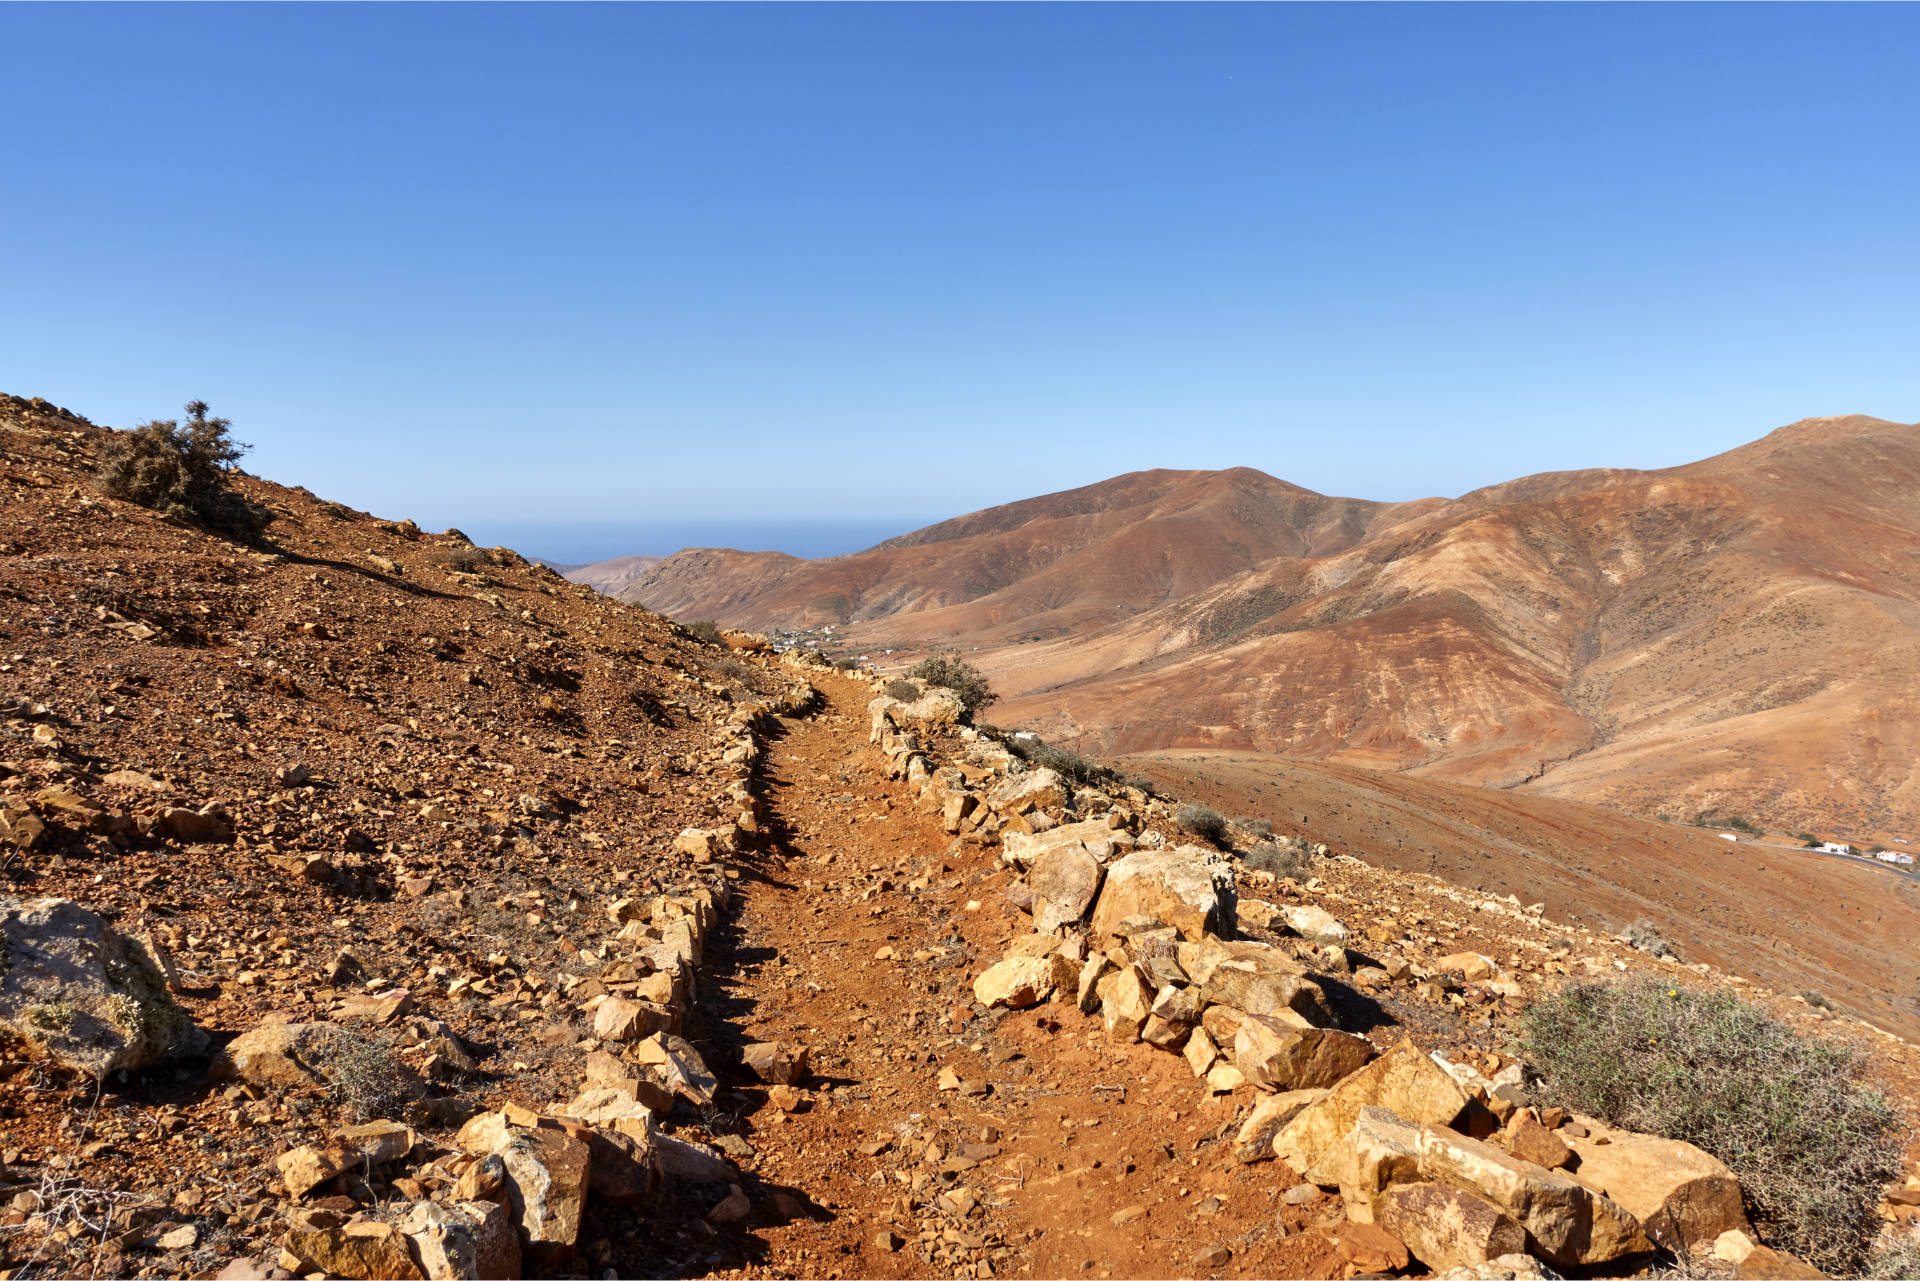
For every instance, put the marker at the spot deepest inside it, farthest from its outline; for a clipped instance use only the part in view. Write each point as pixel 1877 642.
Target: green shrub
pixel 1812 1145
pixel 1203 821
pixel 1281 860
pixel 1808 839
pixel 704 630
pixel 950 671
pixel 182 472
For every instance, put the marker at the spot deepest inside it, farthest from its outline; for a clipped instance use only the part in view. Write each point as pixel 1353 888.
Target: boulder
pixel 1566 1223
pixel 1184 886
pixel 1256 986
pixel 618 1019
pixel 1447 1228
pixel 1064 881
pixel 305 1168
pixel 1276 1056
pixel 1315 925
pixel 678 1066
pixel 463 1240
pixel 1035 789
pixel 1125 1004
pixel 937 708
pixel 1471 966
pixel 378 1141
pixel 1403 1080
pixel 365 1248
pixel 776 1062
pixel 1016 982
pixel 1270 1114
pixel 88 998
pixel 1679 1193
pixel 691 1162
pixel 1023 849
pixel 1508 1267
pixel 546 1174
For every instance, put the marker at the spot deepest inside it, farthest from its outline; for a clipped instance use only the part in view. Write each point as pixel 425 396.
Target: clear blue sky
pixel 498 265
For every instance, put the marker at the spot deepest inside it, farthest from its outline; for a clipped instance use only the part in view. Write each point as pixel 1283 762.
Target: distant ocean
pixel 583 542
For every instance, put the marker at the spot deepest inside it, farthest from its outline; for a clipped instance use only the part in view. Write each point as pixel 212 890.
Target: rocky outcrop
pixel 1186 887
pixel 83 996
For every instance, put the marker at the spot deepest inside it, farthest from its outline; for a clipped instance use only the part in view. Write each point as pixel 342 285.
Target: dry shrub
pixel 950 671
pixel 370 1079
pixel 1646 936
pixel 1071 766
pixel 704 630
pixel 181 472
pixel 1281 860
pixel 905 690
pixel 1203 821
pixel 1812 1145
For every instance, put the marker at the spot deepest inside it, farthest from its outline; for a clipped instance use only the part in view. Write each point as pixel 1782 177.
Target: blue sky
pixel 658 267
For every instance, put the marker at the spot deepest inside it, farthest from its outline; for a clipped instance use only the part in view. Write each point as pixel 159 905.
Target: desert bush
pixel 1646 936
pixel 181 471
pixel 704 630
pixel 1260 827
pixel 468 560
pixel 1812 1145
pixel 370 1079
pixel 950 671
pixel 1072 766
pixel 845 663
pixel 1203 821
pixel 1808 839
pixel 905 690
pixel 1281 860
pixel 1894 1261
pixel 1712 818
pixel 1817 999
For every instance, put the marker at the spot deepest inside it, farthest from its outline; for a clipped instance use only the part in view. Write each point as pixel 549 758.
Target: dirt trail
pixel 1049 1152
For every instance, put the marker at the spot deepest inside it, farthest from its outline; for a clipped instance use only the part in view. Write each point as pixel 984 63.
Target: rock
pixel 1035 789
pixel 1403 1080
pixel 1315 925
pixel 484 1180
pixel 618 1019
pixel 732 1208
pixel 1125 1004
pixel 88 998
pixel 703 845
pixel 1024 849
pixel 1278 1057
pixel 306 1167
pixel 776 1063
pixel 1200 1052
pixel 1566 1223
pixel 622 1164
pixel 378 1142
pixel 888 1241
pixel 1087 991
pixel 467 1239
pixel 1508 1267
pixel 546 1172
pixel 1184 886
pixel 1254 986
pixel 1211 1256
pixel 1447 1228
pixel 184 1237
pixel 691 1162
pixel 1064 881
pixel 1370 1248
pixel 680 1067
pixel 1765 1264
pixel 1679 1193
pixel 936 708
pixel 208 824
pixel 1016 982
pixel 1733 1246
pixel 365 1248
pixel 1529 1140
pixel 1471 966
pixel 1269 1115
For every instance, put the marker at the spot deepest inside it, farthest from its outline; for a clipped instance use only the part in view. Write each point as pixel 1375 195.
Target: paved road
pixel 1897 869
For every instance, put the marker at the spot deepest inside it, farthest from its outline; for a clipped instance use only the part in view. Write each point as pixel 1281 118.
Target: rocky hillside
pixel 1736 634
pixel 382 906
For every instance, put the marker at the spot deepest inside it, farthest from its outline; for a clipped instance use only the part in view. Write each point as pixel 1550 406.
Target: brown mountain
pixel 610 576
pixel 1739 633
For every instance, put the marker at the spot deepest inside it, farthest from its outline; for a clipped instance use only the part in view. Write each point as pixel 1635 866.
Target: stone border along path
pixel 532 1185
pixel 905 1105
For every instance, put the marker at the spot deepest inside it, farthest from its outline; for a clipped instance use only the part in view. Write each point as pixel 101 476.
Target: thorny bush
pixel 181 472
pixel 1812 1145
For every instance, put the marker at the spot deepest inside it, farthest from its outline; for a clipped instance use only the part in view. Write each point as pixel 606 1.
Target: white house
pixel 1894 856
pixel 1728 836
pixel 1835 847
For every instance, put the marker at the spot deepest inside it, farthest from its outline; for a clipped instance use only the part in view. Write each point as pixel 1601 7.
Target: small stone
pixel 184 1237
pixel 889 1241
pixel 1212 1256
pixel 732 1208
